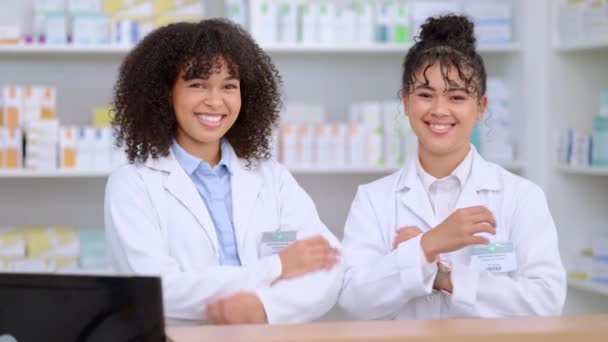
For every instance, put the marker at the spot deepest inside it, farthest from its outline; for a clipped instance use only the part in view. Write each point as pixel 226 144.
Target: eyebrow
pixel 451 89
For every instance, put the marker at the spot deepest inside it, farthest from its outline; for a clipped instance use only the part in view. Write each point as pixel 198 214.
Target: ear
pixel 483 105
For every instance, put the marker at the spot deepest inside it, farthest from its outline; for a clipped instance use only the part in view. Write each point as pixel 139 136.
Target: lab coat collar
pixel 245 182
pixel 484 177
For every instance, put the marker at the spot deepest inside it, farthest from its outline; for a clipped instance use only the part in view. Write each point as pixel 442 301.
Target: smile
pixel 210 119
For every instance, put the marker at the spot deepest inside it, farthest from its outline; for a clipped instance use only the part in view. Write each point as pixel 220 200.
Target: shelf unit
pixel 582 46
pixel 587 286
pixel 578 72
pixel 332 75
pixel 293 48
pixel 584 170
pixel 53 174
pixel 297 170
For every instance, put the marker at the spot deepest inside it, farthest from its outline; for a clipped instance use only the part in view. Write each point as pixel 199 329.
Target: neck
pixel 441 166
pixel 208 152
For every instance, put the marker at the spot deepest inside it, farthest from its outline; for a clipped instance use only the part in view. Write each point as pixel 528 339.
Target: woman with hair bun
pixel 450 234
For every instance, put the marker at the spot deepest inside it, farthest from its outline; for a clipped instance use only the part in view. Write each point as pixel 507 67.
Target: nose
pixel 213 98
pixel 440 106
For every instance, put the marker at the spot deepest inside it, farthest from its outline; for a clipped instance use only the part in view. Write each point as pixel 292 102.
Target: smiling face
pixel 205 109
pixel 442 113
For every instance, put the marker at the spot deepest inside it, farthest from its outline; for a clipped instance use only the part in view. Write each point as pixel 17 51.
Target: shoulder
pixel 127 176
pixel 380 190
pixel 517 188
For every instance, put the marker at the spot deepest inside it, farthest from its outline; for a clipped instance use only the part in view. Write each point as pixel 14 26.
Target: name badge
pixel 274 242
pixel 495 257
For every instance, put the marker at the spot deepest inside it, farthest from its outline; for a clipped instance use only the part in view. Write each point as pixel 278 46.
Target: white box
pixel 90 30
pixel 305 134
pixel 322 145
pixel 287 23
pixel 327 15
pixel 85 148
pixel 372 120
pixel 32 103
pixel 392 133
pixel 289 145
pixel 338 144
pixel 263 21
pixel 56 29
pixel 41 145
pixel 84 6
pixel 308 14
pixel 364 17
pixel 357 145
pixel 102 150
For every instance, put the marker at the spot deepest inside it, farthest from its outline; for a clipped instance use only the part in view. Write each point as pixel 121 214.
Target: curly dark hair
pixel 144 117
pixel 449 40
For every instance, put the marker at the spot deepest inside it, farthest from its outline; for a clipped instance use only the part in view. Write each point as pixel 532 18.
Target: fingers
pixel 214 313
pixel 410 230
pixel 483 227
pixel 404 234
pixel 477 240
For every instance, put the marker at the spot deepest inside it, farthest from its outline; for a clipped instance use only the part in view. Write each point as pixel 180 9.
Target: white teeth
pixel 211 118
pixel 440 127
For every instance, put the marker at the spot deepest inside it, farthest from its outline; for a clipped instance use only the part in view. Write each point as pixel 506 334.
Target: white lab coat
pixel 384 284
pixel 157 223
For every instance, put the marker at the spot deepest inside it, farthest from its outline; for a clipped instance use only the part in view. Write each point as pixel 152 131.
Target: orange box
pixel 67 147
pixel 2 147
pixel 13 138
pixel 48 103
pixel 12 98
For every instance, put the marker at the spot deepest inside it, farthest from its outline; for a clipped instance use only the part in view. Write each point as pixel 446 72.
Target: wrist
pixel 426 243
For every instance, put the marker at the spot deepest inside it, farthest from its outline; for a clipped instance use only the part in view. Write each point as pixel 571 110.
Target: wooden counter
pixel 554 329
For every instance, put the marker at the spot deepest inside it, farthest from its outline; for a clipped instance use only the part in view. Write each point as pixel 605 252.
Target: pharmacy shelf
pixel 298 170
pixel 53 174
pixel 587 286
pixel 584 170
pixel 372 48
pixel 314 170
pixel 63 49
pixel 582 46
pixel 282 49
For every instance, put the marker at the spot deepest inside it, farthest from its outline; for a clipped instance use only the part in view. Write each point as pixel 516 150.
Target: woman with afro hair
pixel 233 237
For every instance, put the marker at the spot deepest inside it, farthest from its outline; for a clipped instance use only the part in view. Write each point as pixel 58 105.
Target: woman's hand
pixel 458 231
pixel 308 255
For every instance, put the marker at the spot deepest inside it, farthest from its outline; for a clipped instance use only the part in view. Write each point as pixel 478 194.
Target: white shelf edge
pixel 300 170
pixel 4 173
pixel 588 286
pixel 64 49
pixel 311 170
pixel 584 170
pixel 304 170
pixel 274 48
pixel 582 46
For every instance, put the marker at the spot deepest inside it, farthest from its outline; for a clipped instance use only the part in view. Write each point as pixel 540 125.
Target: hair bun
pixel 451 29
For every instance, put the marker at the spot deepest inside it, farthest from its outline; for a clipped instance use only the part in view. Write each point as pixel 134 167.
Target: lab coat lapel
pixel 246 186
pixel 180 186
pixel 482 177
pixel 413 195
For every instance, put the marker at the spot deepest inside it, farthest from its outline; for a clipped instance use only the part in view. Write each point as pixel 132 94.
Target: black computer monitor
pixel 80 308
